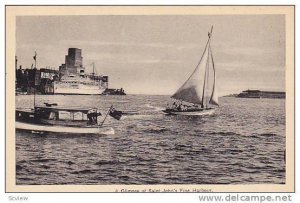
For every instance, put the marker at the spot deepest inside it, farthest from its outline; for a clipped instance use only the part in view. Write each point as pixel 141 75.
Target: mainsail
pixel 195 89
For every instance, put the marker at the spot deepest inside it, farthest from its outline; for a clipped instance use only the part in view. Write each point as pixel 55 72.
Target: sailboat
pixel 198 95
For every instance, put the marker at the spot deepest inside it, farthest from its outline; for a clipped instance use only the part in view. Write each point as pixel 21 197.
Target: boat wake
pixel 141 116
pixel 156 108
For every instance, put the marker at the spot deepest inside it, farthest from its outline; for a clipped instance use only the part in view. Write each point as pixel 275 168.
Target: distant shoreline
pixel 258 94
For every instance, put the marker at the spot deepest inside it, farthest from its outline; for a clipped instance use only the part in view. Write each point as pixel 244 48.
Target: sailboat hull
pixel 200 112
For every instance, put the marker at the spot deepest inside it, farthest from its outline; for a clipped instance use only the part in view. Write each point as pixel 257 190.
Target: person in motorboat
pixel 92 116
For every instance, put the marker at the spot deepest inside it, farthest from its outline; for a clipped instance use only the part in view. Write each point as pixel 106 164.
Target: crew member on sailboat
pixel 198 94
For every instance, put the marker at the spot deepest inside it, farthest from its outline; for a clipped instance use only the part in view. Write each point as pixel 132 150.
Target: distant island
pixel 258 94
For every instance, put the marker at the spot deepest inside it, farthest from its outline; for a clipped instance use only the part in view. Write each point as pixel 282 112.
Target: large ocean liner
pixel 73 78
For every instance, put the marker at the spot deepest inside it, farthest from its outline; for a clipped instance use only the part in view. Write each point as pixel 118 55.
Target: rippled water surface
pixel 242 143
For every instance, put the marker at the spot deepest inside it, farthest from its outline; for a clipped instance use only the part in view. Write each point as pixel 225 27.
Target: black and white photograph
pixel 130 100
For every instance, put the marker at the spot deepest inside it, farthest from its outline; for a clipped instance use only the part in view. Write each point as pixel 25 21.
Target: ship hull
pixel 81 90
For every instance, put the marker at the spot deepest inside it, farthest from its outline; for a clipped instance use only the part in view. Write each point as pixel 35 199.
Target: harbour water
pixel 242 143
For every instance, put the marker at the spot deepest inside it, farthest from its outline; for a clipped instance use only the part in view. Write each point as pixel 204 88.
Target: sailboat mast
pixel 207 73
pixel 205 81
pixel 202 102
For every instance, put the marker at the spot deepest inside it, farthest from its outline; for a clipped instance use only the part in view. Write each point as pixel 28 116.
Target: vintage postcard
pixel 150 99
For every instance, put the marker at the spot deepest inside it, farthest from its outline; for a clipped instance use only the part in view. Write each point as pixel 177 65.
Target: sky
pixel 156 54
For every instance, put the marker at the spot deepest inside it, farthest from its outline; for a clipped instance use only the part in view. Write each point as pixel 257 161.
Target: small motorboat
pixel 54 119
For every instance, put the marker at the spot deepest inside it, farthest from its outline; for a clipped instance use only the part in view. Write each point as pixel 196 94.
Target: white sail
pixel 192 90
pixel 214 95
pixel 199 87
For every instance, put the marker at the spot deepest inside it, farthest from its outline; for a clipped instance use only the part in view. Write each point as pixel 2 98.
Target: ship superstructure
pixel 74 80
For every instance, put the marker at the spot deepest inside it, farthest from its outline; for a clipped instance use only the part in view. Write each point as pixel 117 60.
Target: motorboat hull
pixel 64 129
